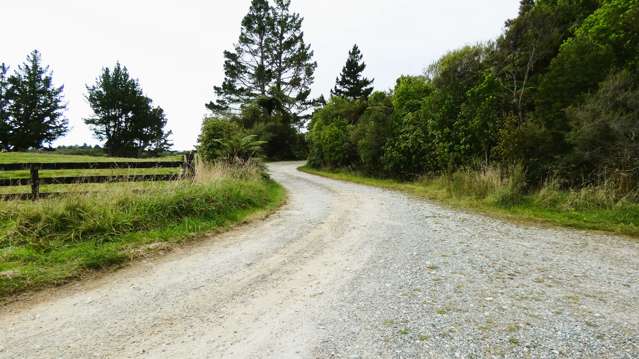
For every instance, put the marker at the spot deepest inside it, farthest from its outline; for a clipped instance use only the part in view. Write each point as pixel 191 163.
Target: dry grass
pixel 605 207
pixel 54 240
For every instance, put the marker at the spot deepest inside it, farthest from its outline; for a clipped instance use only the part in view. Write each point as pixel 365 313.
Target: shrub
pixel 329 138
pixel 372 131
pixel 409 152
pixel 281 141
pixel 214 132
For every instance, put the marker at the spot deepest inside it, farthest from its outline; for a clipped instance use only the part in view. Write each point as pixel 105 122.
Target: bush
pixel 408 151
pixel 330 135
pixel 281 141
pixel 214 132
pixel 372 131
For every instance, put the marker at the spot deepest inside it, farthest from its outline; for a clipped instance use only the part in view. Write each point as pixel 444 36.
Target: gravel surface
pixel 347 271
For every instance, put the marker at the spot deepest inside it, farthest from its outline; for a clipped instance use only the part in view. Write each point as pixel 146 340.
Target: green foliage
pixel 32 107
pixel 50 242
pixel 329 136
pixel 532 103
pixel 281 141
pixel 351 84
pixel 606 40
pixel 409 94
pixel 408 151
pixel 123 117
pixel 370 133
pixel 240 148
pixel 453 76
pixel 482 116
pixel 605 133
pixel 83 150
pixel 214 132
pixel 268 77
pixel 271 59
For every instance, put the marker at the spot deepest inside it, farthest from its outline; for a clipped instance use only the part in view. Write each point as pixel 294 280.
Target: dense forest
pixel 555 97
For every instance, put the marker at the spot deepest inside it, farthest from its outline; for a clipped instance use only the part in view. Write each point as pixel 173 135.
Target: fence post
pixel 189 165
pixel 35 182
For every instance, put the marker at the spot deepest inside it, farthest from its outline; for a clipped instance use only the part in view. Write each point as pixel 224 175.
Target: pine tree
pixel 246 71
pixel 5 128
pixel 351 84
pixel 271 65
pixel 124 118
pixel 36 107
pixel 291 60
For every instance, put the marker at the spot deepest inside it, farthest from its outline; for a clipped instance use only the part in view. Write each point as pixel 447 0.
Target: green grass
pixel 52 242
pixel 45 157
pixel 36 157
pixel 587 209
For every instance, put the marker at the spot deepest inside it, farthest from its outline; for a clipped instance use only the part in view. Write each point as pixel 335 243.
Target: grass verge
pixel 52 242
pixel 588 209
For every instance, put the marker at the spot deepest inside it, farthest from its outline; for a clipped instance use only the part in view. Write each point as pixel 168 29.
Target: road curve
pixel 348 271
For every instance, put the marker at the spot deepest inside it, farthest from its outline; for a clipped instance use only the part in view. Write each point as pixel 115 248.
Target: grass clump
pixel 52 241
pixel 506 194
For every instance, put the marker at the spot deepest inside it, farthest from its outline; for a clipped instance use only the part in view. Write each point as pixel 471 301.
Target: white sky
pixel 174 47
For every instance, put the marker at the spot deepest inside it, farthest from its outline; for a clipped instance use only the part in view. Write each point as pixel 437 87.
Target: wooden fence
pixel 187 167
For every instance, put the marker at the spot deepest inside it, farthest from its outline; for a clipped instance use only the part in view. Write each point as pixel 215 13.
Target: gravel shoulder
pixel 348 271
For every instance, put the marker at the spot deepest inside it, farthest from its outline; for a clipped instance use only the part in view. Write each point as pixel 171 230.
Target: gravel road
pixel 347 271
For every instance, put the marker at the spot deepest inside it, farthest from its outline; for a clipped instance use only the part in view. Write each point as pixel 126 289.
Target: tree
pixel 123 117
pixel 36 106
pixel 605 132
pixel 525 6
pixel 271 64
pixel 453 76
pixel 5 128
pixel 531 41
pixel 606 40
pixel 372 131
pixel 351 84
pixel 409 152
pixel 291 60
pixel 246 71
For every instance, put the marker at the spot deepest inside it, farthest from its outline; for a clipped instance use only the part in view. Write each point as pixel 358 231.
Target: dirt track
pixel 348 271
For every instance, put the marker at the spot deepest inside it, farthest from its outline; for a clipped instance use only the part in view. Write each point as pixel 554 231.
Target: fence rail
pixel 35 180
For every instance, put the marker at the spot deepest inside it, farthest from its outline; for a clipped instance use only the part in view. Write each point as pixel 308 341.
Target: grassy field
pixel 29 157
pixel 589 208
pixel 50 242
pixel 45 157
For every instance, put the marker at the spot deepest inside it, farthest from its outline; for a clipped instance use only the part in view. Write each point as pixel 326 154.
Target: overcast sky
pixel 174 47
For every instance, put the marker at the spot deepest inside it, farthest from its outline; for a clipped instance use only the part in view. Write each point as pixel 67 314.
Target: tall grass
pixel 606 206
pixel 54 240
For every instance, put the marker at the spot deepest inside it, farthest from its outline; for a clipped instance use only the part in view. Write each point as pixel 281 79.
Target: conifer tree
pixel 291 60
pixel 35 107
pixel 271 64
pixel 246 71
pixel 5 128
pixel 124 117
pixel 351 84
